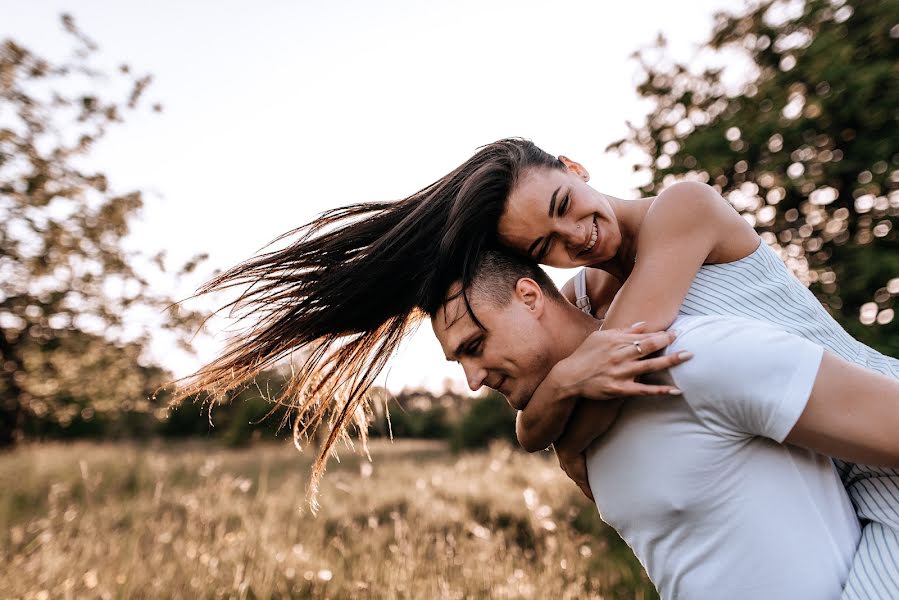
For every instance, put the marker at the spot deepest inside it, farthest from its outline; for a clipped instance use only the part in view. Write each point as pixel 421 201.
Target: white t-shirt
pixel 700 487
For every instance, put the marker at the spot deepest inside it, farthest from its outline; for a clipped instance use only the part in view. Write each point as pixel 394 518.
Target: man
pixel 699 485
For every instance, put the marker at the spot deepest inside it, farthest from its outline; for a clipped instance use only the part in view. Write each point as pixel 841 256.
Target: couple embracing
pixel 740 441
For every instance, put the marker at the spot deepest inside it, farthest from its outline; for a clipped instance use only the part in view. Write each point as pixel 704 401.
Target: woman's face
pixel 554 217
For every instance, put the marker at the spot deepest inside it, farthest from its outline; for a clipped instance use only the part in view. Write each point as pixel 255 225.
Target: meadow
pixel 196 520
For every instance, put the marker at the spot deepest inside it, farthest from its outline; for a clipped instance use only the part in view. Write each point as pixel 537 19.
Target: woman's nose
pixel 572 233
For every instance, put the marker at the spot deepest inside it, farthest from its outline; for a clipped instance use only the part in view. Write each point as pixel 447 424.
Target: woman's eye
pixel 546 247
pixel 474 348
pixel 563 206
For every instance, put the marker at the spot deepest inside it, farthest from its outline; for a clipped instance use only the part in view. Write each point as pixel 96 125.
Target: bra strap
pixel 582 300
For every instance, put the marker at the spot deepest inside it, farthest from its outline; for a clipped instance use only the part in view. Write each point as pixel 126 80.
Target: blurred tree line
pixel 245 417
pixel 805 148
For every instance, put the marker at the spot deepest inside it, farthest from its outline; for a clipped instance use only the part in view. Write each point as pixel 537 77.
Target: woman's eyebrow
pixel 552 207
pixel 552 201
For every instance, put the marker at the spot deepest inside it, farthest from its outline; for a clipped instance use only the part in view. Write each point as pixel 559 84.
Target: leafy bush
pixel 489 418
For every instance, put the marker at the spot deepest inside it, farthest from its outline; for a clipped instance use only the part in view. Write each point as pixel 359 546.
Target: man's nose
pixel 475 376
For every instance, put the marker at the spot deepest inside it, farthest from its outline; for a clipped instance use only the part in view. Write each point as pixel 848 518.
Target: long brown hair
pixel 353 283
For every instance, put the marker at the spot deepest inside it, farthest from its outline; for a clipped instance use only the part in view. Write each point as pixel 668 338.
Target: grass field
pixel 193 520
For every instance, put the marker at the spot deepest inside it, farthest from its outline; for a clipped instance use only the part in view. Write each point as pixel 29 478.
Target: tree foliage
pixel 68 284
pixel 489 418
pixel 806 149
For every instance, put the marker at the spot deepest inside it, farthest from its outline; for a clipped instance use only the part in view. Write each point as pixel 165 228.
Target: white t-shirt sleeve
pixel 746 377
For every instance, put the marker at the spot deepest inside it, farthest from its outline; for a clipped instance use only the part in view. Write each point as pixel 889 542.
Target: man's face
pixel 512 355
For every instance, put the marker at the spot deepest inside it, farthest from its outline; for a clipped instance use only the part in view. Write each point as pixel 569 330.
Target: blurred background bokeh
pixel 144 147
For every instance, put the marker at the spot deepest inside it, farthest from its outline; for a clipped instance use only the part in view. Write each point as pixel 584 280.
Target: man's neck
pixel 571 326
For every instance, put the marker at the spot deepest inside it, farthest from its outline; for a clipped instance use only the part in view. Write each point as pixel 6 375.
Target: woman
pixel 351 285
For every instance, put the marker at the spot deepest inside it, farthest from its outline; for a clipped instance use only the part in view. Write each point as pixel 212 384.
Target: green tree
pixel 805 149
pixel 68 284
pixel 489 418
pixel 412 414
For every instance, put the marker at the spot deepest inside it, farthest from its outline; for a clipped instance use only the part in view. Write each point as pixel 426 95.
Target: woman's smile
pixel 591 243
pixel 593 236
pixel 554 217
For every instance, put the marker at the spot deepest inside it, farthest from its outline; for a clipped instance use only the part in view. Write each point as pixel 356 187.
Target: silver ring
pixel 639 349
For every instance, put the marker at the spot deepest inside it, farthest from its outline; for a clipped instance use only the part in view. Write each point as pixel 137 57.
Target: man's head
pixel 501 329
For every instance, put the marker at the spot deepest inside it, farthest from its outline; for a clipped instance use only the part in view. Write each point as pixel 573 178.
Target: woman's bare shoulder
pixel 685 199
pixel 692 208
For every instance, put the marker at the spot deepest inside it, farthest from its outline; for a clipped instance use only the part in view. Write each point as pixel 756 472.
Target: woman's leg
pixel 875 494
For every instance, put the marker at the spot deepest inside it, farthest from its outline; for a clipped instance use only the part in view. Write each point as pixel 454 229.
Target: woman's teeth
pixel 593 237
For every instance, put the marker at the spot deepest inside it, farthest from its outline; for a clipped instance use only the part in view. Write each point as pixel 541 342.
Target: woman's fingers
pixel 641 345
pixel 642 389
pixel 607 363
pixel 638 327
pixel 651 365
pixel 603 340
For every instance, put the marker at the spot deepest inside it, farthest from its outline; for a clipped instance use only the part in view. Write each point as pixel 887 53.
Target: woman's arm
pixel 603 367
pixel 686 225
pixel 544 418
pixel 551 406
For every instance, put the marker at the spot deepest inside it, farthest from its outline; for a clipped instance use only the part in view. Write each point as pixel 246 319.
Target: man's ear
pixel 531 295
pixel 575 167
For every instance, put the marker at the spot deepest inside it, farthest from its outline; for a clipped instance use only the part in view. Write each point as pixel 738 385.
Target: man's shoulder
pixel 689 322
pixel 745 376
pixel 720 345
pixel 703 330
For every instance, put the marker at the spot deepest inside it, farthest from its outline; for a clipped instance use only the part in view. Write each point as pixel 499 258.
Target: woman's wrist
pixel 562 384
pixel 546 415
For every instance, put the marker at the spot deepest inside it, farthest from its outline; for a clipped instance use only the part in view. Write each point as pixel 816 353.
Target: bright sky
pixel 277 110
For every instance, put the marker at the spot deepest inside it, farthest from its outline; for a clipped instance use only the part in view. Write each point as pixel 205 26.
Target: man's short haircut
pixel 496 273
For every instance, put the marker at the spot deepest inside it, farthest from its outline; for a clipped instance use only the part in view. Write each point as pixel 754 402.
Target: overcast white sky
pixel 277 110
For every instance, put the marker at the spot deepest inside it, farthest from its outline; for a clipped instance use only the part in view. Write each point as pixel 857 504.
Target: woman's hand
pixel 607 364
pixel 575 467
pixel 602 368
pixel 588 422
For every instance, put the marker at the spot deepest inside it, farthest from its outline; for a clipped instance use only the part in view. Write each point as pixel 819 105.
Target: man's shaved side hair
pixel 496 273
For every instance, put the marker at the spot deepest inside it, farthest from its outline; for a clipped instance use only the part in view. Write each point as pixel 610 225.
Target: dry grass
pixel 190 520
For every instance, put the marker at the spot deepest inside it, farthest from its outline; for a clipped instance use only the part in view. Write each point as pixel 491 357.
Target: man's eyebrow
pixel 552 201
pixel 460 349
